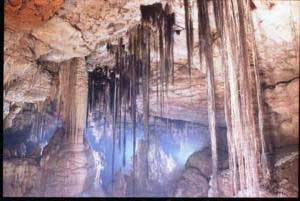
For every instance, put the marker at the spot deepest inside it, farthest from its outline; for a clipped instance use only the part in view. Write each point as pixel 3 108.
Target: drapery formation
pixel 243 104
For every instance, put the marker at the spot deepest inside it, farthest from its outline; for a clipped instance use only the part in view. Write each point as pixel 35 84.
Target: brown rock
pixel 192 184
pixel 26 15
pixel 283 100
pixel 202 161
pixel 21 177
pixel 65 41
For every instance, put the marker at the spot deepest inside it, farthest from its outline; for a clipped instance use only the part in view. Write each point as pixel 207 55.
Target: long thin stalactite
pixel 207 50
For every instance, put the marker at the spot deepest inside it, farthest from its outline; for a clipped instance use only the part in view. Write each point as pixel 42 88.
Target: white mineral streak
pixel 286 159
pixel 99 163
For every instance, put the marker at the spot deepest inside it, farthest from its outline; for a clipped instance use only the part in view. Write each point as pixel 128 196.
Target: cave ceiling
pixel 41 34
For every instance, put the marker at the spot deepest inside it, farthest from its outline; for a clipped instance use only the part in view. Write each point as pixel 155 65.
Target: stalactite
pixel 131 74
pixel 124 134
pixel 206 49
pixel 218 5
pixel 145 47
pixel 266 174
pixel 244 139
pixel 162 60
pixel 105 108
pixel 114 129
pixel 133 62
pixel 189 33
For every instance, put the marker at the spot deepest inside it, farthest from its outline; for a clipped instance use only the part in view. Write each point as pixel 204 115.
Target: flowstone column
pixel 67 162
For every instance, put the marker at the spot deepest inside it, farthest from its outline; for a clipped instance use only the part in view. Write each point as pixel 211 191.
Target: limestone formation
pixel 133 79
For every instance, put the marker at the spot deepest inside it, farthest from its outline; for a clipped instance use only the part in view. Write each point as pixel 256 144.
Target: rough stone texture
pixel 65 41
pixel 120 185
pixel 285 176
pixel 283 101
pixel 277 33
pixel 68 169
pixel 18 57
pixel 21 177
pixel 287 172
pixel 102 20
pixel 192 184
pixel 26 15
pixel 34 87
pixel 202 161
pixel 197 172
pixel 24 80
pixel 72 98
pixel 184 98
pixel 225 183
pixel 8 121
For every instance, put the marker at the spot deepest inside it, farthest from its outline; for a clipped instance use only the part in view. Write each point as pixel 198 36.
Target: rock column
pixel 73 92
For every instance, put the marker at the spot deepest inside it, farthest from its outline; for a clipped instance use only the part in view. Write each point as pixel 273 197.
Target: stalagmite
pixel 206 48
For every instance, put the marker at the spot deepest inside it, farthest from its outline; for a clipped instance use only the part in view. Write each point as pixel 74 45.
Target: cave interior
pixel 151 98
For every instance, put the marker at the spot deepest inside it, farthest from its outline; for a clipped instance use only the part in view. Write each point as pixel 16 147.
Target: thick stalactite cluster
pixel 246 143
pixel 116 89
